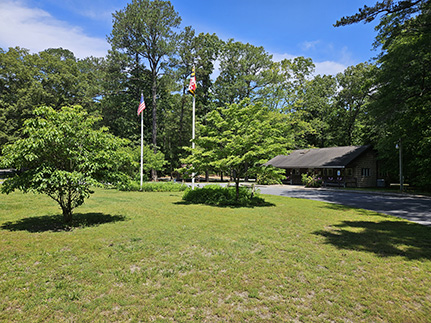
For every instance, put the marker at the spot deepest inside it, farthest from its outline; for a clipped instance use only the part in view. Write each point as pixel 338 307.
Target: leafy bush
pixel 152 187
pixel 222 196
pixel 311 180
pixel 270 175
pixel 128 185
pixel 62 154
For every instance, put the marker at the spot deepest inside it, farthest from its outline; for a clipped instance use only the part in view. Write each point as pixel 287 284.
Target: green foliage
pixel 401 8
pixel 288 79
pixel 239 137
pixel 311 180
pixel 377 104
pixel 244 69
pixel 144 29
pixel 402 103
pixel 200 51
pixel 62 156
pixel 153 187
pixel 53 77
pixel 352 124
pixel 151 160
pixel 270 175
pixel 317 109
pixel 223 196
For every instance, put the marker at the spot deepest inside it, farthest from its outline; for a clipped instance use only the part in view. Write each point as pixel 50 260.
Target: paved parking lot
pixel 413 208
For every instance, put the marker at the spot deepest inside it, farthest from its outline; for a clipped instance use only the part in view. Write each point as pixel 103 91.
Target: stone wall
pixel 365 169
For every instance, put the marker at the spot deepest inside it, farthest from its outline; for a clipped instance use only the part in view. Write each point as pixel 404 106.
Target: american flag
pixel 141 104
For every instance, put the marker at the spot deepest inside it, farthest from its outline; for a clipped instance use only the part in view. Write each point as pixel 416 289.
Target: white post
pixel 193 139
pixel 142 149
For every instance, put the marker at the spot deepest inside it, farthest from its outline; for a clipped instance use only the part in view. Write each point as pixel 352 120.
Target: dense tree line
pixel 376 103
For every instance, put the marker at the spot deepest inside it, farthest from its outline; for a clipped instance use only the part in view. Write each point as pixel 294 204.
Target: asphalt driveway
pixel 412 208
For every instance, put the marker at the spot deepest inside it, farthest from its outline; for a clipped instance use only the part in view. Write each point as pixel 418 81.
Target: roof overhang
pixel 323 158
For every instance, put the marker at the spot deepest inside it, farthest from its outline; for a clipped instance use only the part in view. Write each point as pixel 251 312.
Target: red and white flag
pixel 192 85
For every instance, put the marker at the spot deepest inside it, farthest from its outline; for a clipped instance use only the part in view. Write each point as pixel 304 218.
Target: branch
pixel 368 14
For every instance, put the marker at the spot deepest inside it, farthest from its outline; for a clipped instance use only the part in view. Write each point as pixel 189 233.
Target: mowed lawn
pixel 135 257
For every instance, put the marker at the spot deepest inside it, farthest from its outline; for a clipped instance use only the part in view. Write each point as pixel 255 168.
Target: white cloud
pixel 325 67
pixel 307 45
pixel 329 68
pixel 279 57
pixel 37 30
pixel 97 10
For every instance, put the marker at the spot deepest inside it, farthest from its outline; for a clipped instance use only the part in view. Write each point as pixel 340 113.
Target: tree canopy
pixel 145 29
pixel 62 155
pixel 401 102
pixel 239 137
pixel 53 77
pixel 377 103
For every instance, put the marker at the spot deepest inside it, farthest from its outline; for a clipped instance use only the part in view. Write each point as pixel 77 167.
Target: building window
pixel 365 172
pixel 349 172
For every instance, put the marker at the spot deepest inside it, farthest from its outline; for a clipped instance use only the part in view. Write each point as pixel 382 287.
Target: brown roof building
pixel 337 166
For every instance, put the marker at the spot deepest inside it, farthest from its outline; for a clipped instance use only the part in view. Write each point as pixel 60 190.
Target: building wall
pixel 364 172
pixel 365 169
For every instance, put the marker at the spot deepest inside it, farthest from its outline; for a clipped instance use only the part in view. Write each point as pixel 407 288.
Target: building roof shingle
pixel 334 157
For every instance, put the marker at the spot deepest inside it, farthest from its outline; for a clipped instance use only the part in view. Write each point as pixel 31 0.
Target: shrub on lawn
pixel 222 196
pixel 152 187
pixel 311 180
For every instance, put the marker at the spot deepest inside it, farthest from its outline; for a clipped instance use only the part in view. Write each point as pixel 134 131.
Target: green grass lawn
pixel 134 256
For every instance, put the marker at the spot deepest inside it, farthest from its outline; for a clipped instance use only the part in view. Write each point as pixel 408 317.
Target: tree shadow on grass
pixel 55 223
pixel 232 206
pixel 385 238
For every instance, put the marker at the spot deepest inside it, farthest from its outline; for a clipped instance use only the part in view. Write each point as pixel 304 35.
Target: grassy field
pixel 134 256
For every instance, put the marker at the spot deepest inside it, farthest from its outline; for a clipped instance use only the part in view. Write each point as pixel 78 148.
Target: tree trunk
pixel 67 213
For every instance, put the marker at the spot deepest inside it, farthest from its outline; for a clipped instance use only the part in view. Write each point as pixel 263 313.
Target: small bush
pixel 152 187
pixel 311 180
pixel 270 175
pixel 222 196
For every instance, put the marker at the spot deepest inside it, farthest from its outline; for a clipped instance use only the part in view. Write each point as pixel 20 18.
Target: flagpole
pixel 193 138
pixel 142 148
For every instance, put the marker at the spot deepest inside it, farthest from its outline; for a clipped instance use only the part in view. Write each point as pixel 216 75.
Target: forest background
pixel 377 103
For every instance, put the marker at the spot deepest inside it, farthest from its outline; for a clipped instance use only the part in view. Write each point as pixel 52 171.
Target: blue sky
pixel 285 28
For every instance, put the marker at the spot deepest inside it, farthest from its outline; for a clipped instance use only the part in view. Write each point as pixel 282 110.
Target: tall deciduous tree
pixel 124 79
pixel 61 156
pixel 402 102
pixel 288 80
pixel 239 137
pixel 244 70
pixel 352 124
pixel 53 77
pixel 145 30
pixel 200 51
pixel 317 109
